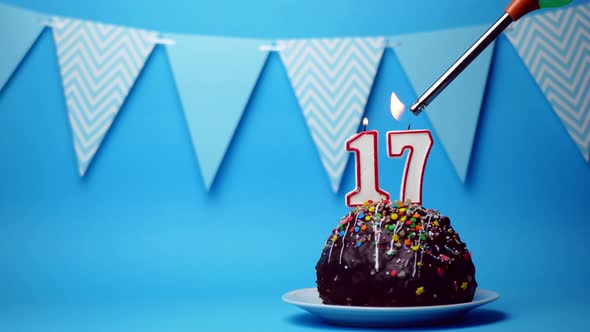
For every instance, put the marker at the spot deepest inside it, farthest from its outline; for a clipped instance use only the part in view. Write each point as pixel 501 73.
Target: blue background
pixel 139 245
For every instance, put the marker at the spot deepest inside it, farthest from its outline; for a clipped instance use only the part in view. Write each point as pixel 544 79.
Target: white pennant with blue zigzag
pixel 555 46
pixel 99 64
pixel 332 79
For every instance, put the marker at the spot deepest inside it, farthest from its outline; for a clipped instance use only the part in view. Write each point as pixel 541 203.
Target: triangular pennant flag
pixel 555 47
pixel 454 114
pixel 99 64
pixel 18 31
pixel 332 79
pixel 214 77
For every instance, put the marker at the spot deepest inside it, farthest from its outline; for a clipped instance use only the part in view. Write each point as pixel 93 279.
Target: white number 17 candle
pixel 364 145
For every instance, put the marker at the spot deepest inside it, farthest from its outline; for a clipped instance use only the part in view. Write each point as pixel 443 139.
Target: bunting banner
pixel 332 79
pixel 98 64
pixel 454 114
pixel 555 47
pixel 214 78
pixel 19 29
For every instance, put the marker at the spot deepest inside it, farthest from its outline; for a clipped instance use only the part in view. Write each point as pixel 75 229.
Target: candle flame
pixel 365 122
pixel 396 106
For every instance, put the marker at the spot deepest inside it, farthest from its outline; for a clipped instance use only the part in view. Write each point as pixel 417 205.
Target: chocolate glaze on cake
pixel 391 254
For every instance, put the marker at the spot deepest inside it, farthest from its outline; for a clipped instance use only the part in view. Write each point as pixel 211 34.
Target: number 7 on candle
pixel 419 142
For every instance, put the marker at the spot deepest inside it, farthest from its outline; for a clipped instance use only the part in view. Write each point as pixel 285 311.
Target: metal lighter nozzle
pixel 418 107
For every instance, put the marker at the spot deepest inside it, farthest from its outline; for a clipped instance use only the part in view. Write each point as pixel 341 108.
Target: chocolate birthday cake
pixel 391 254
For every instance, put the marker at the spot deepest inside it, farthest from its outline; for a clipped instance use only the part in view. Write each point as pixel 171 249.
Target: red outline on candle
pixel 390 134
pixel 358 166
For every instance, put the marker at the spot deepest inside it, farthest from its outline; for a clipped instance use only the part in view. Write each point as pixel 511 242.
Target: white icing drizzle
pixel 416 257
pixel 398 226
pixel 377 238
pixel 331 247
pixel 346 232
pixel 391 246
pixel 415 261
pixel 334 242
pixel 427 226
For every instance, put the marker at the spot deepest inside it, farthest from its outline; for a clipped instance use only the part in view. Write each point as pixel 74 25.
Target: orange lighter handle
pixel 519 8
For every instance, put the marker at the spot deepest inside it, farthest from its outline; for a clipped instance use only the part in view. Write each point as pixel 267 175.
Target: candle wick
pixel 409 126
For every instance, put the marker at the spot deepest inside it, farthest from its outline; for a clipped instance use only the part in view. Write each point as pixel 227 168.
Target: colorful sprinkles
pixel 420 290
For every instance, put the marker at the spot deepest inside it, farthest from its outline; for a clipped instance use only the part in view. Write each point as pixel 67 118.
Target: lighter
pixel 516 10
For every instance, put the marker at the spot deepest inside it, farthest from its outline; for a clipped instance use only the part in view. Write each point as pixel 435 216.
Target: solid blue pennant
pixel 19 30
pixel 214 77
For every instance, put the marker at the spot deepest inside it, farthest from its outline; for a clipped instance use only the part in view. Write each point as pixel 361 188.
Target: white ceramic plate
pixel 309 300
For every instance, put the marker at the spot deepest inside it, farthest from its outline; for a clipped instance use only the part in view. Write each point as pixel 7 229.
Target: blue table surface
pixel 512 312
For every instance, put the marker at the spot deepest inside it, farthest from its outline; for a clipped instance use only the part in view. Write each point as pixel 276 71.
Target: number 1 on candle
pixel 419 142
pixel 364 146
